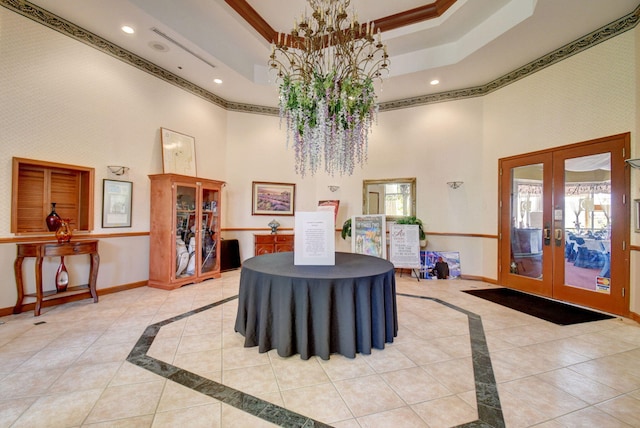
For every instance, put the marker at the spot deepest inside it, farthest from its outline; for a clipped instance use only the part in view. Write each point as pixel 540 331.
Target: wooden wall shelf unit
pixel 185 216
pixel 39 250
pixel 272 243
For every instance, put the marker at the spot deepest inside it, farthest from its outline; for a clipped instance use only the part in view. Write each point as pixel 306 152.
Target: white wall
pixel 65 102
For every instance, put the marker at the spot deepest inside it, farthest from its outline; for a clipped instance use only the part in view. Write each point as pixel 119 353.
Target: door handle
pixel 547 236
pixel 558 237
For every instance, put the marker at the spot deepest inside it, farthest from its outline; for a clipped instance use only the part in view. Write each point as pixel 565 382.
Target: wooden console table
pixel 39 250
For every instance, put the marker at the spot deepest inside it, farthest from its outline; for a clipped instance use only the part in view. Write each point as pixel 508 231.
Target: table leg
pixel 93 276
pixel 17 268
pixel 36 311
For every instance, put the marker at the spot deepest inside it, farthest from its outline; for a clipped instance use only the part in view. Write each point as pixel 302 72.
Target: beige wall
pixel 66 102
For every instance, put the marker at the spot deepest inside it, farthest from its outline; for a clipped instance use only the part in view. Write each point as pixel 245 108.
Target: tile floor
pixel 76 365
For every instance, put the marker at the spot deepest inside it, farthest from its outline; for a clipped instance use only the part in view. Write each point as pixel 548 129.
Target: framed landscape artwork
pixel 273 198
pixel 116 203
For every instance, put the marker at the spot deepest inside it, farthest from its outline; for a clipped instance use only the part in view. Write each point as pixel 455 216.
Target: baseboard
pixel 479 278
pixel 634 316
pixel 73 298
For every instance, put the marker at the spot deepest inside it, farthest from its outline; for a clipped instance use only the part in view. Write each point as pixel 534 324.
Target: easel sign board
pixel 369 235
pixel 404 246
pixel 314 239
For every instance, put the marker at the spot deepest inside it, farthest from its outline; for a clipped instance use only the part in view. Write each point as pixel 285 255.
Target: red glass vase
pixel 53 219
pixel 62 277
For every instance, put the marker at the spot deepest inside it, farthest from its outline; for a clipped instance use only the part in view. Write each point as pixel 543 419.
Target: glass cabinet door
pixel 210 229
pixel 186 228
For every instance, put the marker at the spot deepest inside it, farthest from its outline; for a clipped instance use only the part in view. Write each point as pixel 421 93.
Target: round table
pixel 317 310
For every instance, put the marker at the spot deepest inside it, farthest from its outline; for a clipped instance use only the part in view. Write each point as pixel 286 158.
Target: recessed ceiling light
pixel 435 82
pixel 218 81
pixel 128 29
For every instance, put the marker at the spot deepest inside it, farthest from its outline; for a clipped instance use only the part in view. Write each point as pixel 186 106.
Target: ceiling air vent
pixel 178 44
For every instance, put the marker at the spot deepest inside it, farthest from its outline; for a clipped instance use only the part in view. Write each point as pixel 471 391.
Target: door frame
pixel 620 271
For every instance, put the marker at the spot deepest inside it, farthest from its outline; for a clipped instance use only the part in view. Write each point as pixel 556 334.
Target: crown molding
pixel 67 28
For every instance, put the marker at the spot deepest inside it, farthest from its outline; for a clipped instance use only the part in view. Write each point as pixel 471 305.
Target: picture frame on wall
pixel 273 198
pixel 178 153
pixel 116 203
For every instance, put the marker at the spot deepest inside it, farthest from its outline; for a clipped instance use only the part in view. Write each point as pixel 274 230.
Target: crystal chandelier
pixel 326 67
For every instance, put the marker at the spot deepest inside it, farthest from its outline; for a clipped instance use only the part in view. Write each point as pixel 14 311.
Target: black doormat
pixel 546 309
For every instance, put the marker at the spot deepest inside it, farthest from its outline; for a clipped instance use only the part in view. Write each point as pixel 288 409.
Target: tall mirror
pixel 394 197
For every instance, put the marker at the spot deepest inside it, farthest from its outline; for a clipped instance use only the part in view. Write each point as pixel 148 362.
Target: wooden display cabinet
pixel 274 243
pixel 184 242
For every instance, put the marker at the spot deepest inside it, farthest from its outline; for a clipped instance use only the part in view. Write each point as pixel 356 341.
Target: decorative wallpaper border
pixel 50 20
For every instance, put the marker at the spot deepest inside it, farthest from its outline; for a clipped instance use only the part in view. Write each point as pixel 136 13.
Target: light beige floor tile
pixel 81 377
pixel 404 417
pixel 129 373
pixel 415 385
pixel 339 367
pixel 97 354
pixel 368 395
pixel 293 372
pixel 421 352
pixel 578 385
pixel 320 402
pixel 625 408
pixel 176 396
pixel 51 358
pixel 545 398
pixel 24 384
pixel 135 422
pixel 454 346
pixel 388 359
pixel 200 343
pixel 611 372
pixel 252 380
pixel 591 417
pixel 62 410
pixel 126 401
pixel 10 410
pixel 445 412
pixel 235 358
pixel 589 363
pixel 456 375
pixel 200 362
pixel 207 416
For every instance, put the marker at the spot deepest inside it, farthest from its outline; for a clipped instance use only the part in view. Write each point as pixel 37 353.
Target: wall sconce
pixel 635 163
pixel 118 170
pixel 334 188
pixel 454 184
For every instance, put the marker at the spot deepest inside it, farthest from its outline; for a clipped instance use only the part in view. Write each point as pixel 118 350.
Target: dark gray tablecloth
pixel 317 310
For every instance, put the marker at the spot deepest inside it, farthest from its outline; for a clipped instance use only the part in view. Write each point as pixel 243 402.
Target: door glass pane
pixel 587 223
pixel 185 231
pixel 209 227
pixel 526 220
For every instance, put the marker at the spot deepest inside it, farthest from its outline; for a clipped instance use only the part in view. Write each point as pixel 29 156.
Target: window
pixel 36 185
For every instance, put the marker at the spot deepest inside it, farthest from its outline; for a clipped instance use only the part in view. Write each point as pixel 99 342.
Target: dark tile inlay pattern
pixel 488 401
pixel 487 398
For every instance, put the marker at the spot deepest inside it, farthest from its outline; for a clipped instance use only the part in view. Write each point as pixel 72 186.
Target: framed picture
pixel 178 153
pixel 637 203
pixel 273 198
pixel 330 205
pixel 116 203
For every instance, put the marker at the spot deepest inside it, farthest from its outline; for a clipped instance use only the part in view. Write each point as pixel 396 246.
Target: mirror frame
pixel 365 194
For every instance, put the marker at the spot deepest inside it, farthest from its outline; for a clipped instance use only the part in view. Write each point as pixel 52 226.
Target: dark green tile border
pixel 488 401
